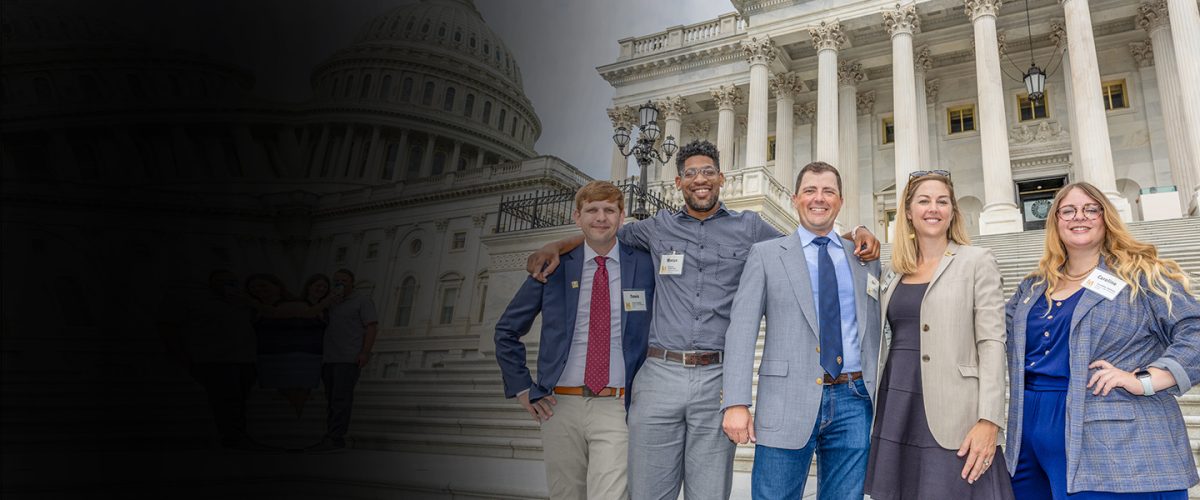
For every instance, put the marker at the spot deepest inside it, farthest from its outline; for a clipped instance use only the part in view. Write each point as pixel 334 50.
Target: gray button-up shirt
pixel 691 310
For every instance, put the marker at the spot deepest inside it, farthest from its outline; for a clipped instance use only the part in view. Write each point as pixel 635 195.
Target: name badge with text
pixel 872 286
pixel 671 264
pixel 1107 285
pixel 635 300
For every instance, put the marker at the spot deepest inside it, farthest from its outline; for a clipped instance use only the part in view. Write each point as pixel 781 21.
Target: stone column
pixel 453 165
pixel 1058 33
pixel 805 119
pixel 672 109
pixel 785 86
pixel 826 39
pixel 866 106
pixel 1000 213
pixel 924 64
pixel 759 52
pixel 901 24
pixel 374 149
pixel 726 96
pixel 849 74
pixel 1152 17
pixel 621 116
pixel 1095 150
pixel 1185 33
pixel 931 99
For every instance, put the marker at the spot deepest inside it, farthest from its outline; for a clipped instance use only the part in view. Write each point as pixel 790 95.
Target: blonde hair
pixel 1130 259
pixel 905 253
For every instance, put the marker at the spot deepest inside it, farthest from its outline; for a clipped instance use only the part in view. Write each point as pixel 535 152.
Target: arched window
pixel 439 162
pixel 469 106
pixel 458 36
pixel 427 97
pixel 448 105
pixel 512 129
pixel 500 124
pixel 487 111
pixel 415 155
pixel 349 86
pixel 389 163
pixel 385 91
pixel 408 295
pixel 449 286
pixel 406 89
pixel 366 87
pixel 442 31
pixel 333 89
pixel 87 83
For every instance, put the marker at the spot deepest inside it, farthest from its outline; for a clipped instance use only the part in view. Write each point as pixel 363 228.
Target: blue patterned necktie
pixel 829 311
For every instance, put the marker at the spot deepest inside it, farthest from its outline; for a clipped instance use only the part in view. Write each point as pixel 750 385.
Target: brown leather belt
pixel 843 378
pixel 687 358
pixel 607 392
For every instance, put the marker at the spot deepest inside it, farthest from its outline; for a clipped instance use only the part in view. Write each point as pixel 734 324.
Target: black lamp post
pixel 643 151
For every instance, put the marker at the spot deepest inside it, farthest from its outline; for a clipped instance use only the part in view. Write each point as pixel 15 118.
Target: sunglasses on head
pixel 922 173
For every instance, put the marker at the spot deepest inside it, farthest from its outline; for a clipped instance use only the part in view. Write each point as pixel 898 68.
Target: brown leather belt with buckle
pixel 843 378
pixel 687 358
pixel 607 392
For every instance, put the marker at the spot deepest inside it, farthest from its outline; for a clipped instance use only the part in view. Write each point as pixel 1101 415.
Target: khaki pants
pixel 585 448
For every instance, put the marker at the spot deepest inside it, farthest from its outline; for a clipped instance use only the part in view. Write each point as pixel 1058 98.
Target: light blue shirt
pixel 851 351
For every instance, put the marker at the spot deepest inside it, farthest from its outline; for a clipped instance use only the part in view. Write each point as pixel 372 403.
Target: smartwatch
pixel 1147 386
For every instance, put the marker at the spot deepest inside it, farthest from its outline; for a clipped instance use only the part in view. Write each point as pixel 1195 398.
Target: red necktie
pixel 595 373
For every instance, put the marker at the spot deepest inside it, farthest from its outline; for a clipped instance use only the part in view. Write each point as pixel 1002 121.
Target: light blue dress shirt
pixel 851 352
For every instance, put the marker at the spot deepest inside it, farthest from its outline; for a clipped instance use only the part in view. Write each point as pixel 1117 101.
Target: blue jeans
pixel 841 438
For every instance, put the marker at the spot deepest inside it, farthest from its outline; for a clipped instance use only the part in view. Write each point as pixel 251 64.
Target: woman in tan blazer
pixel 940 405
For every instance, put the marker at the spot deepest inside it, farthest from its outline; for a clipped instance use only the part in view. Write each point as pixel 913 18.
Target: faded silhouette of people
pixel 210 333
pixel 290 331
pixel 349 338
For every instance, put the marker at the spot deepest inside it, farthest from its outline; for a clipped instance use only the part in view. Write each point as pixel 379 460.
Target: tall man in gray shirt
pixel 675 416
pixel 349 338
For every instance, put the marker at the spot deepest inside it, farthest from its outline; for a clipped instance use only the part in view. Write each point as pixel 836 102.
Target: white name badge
pixel 1107 285
pixel 872 286
pixel 671 263
pixel 635 300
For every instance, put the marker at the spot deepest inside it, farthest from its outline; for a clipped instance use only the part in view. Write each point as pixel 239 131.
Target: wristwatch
pixel 1147 386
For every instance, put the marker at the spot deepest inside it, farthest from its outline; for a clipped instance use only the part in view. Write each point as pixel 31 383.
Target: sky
pixel 557 43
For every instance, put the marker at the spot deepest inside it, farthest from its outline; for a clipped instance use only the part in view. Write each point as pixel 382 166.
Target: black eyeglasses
pixel 922 173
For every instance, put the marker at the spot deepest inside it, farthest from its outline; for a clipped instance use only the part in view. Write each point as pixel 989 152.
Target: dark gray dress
pixel 906 461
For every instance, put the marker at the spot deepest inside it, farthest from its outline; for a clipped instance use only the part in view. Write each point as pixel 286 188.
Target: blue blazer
pixel 557 302
pixel 1120 442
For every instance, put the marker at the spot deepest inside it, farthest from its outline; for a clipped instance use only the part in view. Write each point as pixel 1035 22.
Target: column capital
pixel 1058 32
pixel 759 50
pixel 622 116
pixel 901 20
pixel 827 36
pixel 1152 15
pixel 866 102
pixel 726 96
pixel 786 85
pixel 931 90
pixel 672 107
pixel 805 112
pixel 924 61
pixel 850 72
pixel 976 9
pixel 699 129
pixel 1143 53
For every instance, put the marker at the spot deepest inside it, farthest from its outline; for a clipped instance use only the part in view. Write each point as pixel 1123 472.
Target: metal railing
pixel 552 208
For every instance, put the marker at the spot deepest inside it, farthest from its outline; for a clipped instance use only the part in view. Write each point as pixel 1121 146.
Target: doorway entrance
pixel 1036 195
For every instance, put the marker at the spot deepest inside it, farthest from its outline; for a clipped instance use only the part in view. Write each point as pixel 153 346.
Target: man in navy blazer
pixel 595 330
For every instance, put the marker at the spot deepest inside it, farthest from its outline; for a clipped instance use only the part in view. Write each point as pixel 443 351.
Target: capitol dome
pixel 436 73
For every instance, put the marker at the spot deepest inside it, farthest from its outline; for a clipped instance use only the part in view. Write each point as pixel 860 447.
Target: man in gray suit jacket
pixel 819 362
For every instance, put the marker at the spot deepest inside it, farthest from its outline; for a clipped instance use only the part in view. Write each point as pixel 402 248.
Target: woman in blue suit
pixel 1101 337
